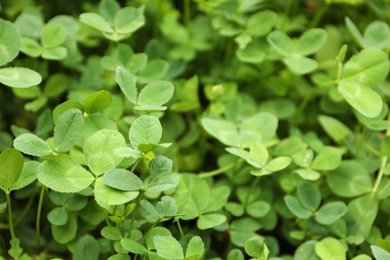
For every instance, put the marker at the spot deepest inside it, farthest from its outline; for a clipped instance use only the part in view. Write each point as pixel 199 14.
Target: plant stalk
pixel 10 221
pixel 38 220
pixel 220 170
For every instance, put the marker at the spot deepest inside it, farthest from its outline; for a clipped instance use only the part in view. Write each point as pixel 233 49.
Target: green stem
pixel 220 170
pixel 250 190
pixel 10 221
pixel 361 140
pixel 135 211
pixel 179 227
pixel 38 220
pixel 146 235
pixel 380 174
pixel 136 164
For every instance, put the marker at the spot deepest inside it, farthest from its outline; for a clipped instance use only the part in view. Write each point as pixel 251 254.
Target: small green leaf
pixel 19 77
pixel 311 41
pixel 278 163
pixel 150 208
pixel 154 70
pixel 281 43
pixel 126 82
pixel 329 158
pixel 28 175
pixel 351 179
pixel 31 47
pixel 58 216
pixel 210 220
pixel 306 251
pixel 86 248
pixel 195 248
pixel 254 247
pixel 68 129
pixel 145 130
pixel 334 128
pixel 55 53
pixel 65 233
pixel 362 72
pixel 64 175
pixel 379 253
pixel 97 101
pixel 330 249
pixel 223 130
pixel 52 35
pixel 259 153
pixel 128 20
pixel 106 196
pixel 309 195
pixel 11 165
pixel 168 247
pixel 289 146
pixel 111 233
pixel 108 9
pixel 258 128
pixel 331 212
pixel 363 210
pixel 96 21
pixel 376 35
pixel 308 174
pixel 354 31
pixel 122 179
pixel 9 41
pixel 261 23
pixel 167 206
pixel 235 254
pixel 32 145
pixel 133 246
pixel 99 150
pixel 156 93
pixel 258 209
pixel 300 64
pixel 296 207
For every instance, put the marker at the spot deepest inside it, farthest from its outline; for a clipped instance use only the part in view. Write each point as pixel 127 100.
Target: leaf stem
pixel 187 13
pixel 26 209
pixel 38 220
pixel 10 221
pixel 179 227
pixel 220 170
pixel 250 191
pixel 380 174
pixel 135 211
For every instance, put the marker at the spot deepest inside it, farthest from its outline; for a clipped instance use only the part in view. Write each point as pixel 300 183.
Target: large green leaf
pixel 329 158
pixel 86 248
pixel 11 165
pixel 363 210
pixel 168 247
pixel 311 41
pixel 300 64
pixel 281 43
pixel 331 212
pixel 192 196
pixel 195 248
pixel 154 70
pixel 106 196
pixel 362 72
pixel 225 131
pixel 128 20
pixel 99 150
pixel 66 233
pixel 122 179
pixel 309 195
pixel 9 41
pixel 68 129
pixel 261 23
pixel 145 130
pixel 258 128
pixel 52 35
pixel 126 82
pixel 64 175
pixel 32 145
pixel 330 249
pixel 334 128
pixel 296 207
pixel 155 93
pixel 28 175
pixel 19 77
pixel 207 221
pixel 97 101
pixel 96 21
pixel 349 180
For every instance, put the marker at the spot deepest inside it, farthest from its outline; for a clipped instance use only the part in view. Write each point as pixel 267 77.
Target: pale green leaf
pixel 296 207
pixel 154 70
pixel 278 163
pixel 380 253
pixel 258 128
pixel 210 220
pixel 52 35
pixel 145 130
pixel 19 77
pixel 330 249
pixel 261 23
pixel 128 20
pixel 9 41
pixel 311 41
pixel 55 53
pixel 334 128
pixel 195 247
pixel 156 93
pixel 331 212
pixel 32 145
pixel 300 64
pixel 106 196
pixel 126 82
pixel 309 195
pixel 133 246
pixel 223 130
pixel 99 150
pixel 122 179
pixel 64 175
pixel 68 129
pixel 30 47
pixel 96 21
pixel 97 101
pixel 28 175
pixel 11 165
pixel 168 247
pixel 281 43
pixel 329 158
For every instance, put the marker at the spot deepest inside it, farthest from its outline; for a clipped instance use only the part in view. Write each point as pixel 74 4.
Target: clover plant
pixel 224 129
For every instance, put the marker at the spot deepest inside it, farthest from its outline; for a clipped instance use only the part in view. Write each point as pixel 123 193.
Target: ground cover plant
pixel 195 129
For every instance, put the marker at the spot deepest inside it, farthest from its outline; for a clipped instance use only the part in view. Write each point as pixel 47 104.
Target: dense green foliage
pixel 195 129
